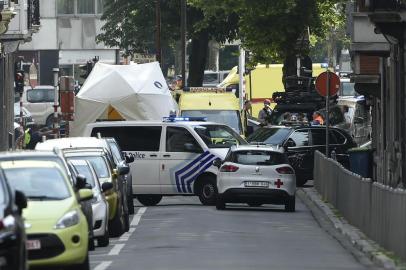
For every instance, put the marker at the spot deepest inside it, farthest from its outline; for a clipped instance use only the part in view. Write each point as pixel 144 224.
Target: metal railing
pixel 377 210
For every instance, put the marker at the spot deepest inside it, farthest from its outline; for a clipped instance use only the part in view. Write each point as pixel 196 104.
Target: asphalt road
pixel 181 234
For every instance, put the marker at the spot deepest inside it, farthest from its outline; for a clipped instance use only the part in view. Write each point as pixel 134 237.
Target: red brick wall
pixel 369 64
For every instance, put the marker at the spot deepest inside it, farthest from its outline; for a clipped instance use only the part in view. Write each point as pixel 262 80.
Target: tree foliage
pixel 130 25
pixel 271 29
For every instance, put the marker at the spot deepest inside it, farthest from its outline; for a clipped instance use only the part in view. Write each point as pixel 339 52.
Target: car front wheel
pixel 149 200
pixel 208 192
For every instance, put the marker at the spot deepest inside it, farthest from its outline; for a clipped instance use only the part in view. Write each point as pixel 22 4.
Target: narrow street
pixel 180 233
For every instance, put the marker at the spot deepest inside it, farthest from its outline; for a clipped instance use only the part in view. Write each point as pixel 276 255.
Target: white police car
pixel 256 175
pixel 172 157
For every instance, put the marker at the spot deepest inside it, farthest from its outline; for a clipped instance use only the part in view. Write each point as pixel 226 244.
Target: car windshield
pixel 86 172
pixel 99 165
pixel 256 157
pixel 116 152
pixel 38 183
pixel 218 136
pixel 274 136
pixel 229 118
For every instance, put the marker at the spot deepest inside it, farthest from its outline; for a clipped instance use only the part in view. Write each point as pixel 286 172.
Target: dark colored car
pixel 13 253
pixel 300 143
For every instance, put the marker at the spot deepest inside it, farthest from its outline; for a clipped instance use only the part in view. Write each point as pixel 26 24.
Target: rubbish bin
pixel 361 161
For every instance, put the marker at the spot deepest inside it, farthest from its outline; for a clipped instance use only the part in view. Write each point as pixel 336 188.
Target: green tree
pixel 129 25
pixel 271 30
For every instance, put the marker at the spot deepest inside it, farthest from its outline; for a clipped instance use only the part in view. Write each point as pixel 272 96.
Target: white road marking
pixel 103 265
pixel 116 249
pixel 127 235
pixel 137 217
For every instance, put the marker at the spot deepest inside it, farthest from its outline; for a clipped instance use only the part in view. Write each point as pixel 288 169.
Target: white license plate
pixel 256 184
pixel 33 244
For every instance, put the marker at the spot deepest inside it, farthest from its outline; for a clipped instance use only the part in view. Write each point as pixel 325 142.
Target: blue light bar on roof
pixel 324 65
pixel 174 119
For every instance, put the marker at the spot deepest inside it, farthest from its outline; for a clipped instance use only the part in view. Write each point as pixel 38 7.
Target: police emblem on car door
pixel 182 161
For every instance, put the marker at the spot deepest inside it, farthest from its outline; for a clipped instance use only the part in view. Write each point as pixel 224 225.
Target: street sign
pixel 321 83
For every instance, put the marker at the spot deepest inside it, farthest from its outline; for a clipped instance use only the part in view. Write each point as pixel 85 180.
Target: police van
pixel 171 157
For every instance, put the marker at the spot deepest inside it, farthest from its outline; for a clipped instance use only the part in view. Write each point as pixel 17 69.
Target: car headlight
pixel 68 220
pixel 8 223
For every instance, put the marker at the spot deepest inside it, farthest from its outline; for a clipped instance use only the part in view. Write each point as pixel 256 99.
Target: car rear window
pixel 273 136
pixel 257 157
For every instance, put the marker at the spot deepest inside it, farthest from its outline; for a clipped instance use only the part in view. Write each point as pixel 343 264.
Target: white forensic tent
pixel 136 92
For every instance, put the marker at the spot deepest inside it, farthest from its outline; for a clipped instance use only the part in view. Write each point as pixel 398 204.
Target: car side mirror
pixel 289 143
pixel 190 147
pixel 123 169
pixel 358 120
pixel 20 200
pixel 129 159
pixel 80 181
pixel 217 162
pixel 106 186
pixel 85 194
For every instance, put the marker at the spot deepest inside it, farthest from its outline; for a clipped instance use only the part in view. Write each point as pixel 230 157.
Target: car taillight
pixel 228 168
pixel 285 170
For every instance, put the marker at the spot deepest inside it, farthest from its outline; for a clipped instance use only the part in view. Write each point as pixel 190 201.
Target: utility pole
pixel 158 31
pixel 183 40
pixel 56 99
pixel 241 73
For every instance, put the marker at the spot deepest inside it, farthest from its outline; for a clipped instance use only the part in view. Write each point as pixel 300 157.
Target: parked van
pixel 172 157
pixel 353 115
pixel 39 101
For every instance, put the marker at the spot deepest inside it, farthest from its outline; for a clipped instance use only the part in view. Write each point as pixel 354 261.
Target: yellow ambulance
pixel 263 81
pixel 215 104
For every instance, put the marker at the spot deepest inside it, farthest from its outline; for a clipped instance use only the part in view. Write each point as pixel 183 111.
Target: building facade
pixel 378 56
pixel 19 21
pixel 67 38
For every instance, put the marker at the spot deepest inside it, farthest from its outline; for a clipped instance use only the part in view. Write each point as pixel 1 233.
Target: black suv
pixel 300 143
pixel 12 232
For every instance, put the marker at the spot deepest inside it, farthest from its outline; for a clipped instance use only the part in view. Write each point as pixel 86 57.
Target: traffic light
pixel 19 81
pixel 87 68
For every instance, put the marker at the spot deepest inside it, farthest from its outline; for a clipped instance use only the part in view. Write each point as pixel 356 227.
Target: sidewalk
pixel 358 240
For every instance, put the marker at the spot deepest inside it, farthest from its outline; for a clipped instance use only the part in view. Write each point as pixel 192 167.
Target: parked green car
pixel 57 230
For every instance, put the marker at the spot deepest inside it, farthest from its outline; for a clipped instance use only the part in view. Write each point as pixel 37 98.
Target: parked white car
pixel 99 204
pixel 255 175
pixel 40 102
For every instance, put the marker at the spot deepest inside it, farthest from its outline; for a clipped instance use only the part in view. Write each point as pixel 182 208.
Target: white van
pixel 171 157
pixel 40 102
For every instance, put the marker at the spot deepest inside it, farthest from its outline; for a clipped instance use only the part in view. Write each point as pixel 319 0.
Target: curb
pixel 357 239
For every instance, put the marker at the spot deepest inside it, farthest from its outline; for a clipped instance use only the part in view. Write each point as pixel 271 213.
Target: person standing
pixel 317 118
pixel 264 115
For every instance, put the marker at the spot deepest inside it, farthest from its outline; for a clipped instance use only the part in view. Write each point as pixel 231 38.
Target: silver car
pixel 99 204
pixel 255 175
